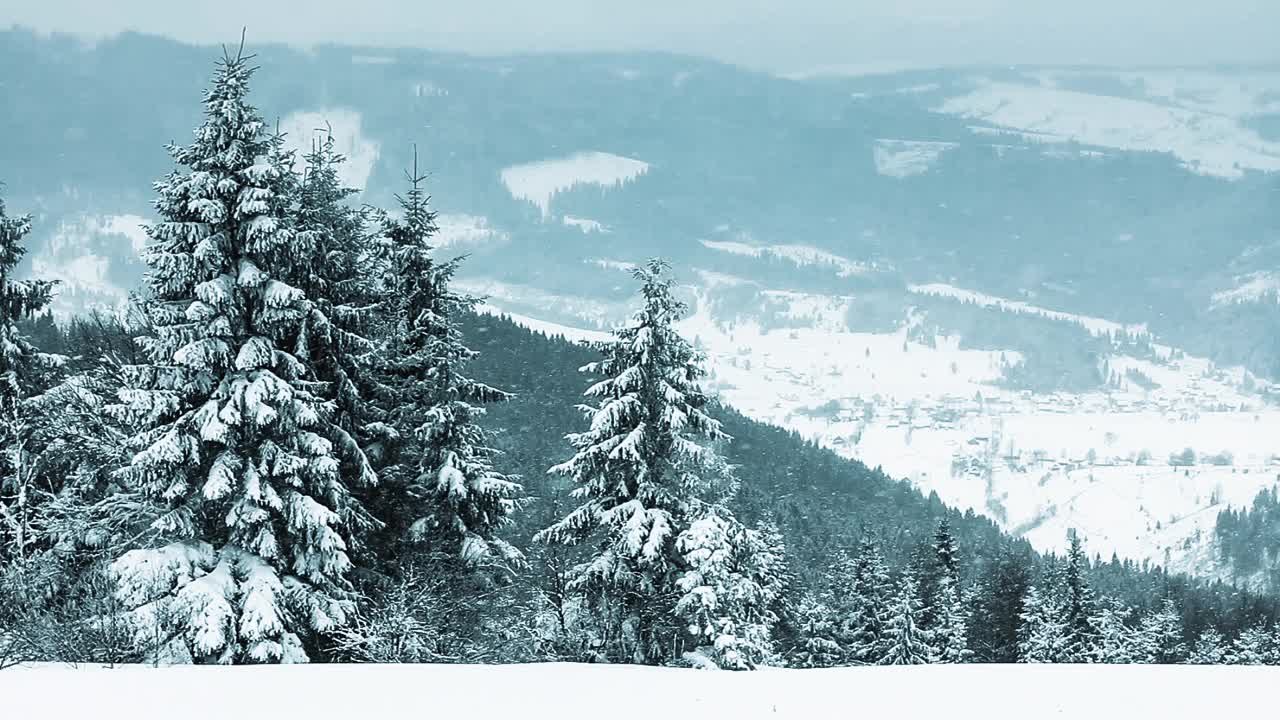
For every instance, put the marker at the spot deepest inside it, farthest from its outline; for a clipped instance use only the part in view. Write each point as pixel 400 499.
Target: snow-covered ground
pixel 905 158
pixel 1253 287
pixel 1201 122
pixel 565 691
pixel 798 254
pixel 1097 326
pixel 306 127
pixel 457 230
pixel 539 182
pixel 937 415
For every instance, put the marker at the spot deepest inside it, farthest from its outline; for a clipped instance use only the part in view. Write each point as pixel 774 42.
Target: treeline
pixel 1248 540
pixel 281 454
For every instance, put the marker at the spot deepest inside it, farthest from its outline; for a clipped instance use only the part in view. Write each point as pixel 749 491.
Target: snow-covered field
pixel 905 158
pixel 798 254
pixel 306 127
pixel 935 414
pixel 539 182
pixel 567 691
pixel 1199 121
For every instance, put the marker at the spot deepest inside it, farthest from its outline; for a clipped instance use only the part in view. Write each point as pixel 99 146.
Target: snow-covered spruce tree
pixel 1210 648
pixel 1254 646
pixel 1077 603
pixel 866 606
pixel 21 370
pixel 949 613
pixel 336 266
pixel 816 645
pixel 1041 634
pixel 250 521
pixel 1159 637
pixel 1113 639
pixel 950 633
pixel 733 580
pixel 645 471
pixel 907 642
pixel 439 489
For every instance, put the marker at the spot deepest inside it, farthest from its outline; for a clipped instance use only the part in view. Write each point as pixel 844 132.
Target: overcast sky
pixel 776 35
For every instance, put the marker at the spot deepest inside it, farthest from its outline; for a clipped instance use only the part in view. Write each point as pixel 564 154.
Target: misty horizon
pixel 781 38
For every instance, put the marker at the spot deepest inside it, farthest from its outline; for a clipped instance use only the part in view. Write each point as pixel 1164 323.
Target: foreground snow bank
pixel 602 691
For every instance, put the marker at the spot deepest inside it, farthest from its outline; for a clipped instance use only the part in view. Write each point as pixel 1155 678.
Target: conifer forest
pixel 303 440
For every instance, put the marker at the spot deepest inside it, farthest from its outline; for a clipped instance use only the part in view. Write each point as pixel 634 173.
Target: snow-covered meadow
pixel 618 691
pixel 539 182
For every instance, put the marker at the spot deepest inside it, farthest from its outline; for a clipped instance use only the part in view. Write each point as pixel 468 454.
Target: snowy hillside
pixel 1107 462
pixel 1198 117
pixel 539 182
pixel 592 691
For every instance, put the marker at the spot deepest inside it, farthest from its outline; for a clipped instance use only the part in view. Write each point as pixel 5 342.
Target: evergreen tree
pixel 1113 642
pixel 1041 635
pixel 440 488
pixel 951 630
pixel 336 267
pixel 908 642
pixel 249 523
pixel 1254 646
pixel 643 477
pixel 1078 603
pixel 817 646
pixel 1159 636
pixel 729 590
pixel 1210 648
pixel 949 611
pixel 867 605
pixel 21 371
pixel 994 632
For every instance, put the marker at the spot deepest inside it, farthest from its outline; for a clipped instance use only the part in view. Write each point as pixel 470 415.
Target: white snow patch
pixel 613 265
pixel 130 226
pixel 539 182
pixel 591 313
pixel 461 230
pixel 905 158
pixel 1252 288
pixel 1097 326
pixel 799 254
pixel 304 128
pixel 1206 142
pixel 572 334
pixel 585 225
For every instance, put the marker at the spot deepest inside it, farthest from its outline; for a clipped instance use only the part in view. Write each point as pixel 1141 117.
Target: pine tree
pixel 1254 646
pixel 644 472
pixel 866 606
pixel 441 488
pixel 1210 648
pixel 1159 636
pixel 249 521
pixel 1113 643
pixel 908 643
pixel 21 371
pixel 1041 634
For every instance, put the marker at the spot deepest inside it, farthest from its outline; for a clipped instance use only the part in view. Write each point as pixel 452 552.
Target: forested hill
pixel 823 503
